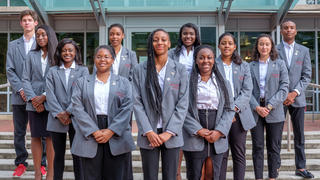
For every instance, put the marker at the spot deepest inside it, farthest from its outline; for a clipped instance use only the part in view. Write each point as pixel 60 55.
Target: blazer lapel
pixel 235 77
pixel 72 75
pixel 256 71
pixel 296 53
pixel 283 54
pixel 220 67
pixel 170 73
pixel 38 63
pixel 90 90
pixel 112 90
pixel 271 65
pixel 21 48
pixel 62 77
pixel 123 58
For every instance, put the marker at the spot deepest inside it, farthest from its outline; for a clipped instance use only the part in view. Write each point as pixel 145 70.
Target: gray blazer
pixel 172 55
pixel 59 94
pixel 34 84
pixel 276 89
pixel 192 124
pixel 174 103
pixel 242 85
pixel 16 56
pixel 85 117
pixel 128 59
pixel 299 71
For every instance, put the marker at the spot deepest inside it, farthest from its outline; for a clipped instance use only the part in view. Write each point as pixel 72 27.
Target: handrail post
pixel 288 119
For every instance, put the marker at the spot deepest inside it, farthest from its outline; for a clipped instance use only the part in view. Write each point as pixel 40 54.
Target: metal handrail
pixel 5 85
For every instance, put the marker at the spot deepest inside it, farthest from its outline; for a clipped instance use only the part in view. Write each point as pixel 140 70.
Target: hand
pixel 234 119
pixel 64 117
pixel 23 95
pixel 154 139
pixel 262 111
pixel 290 98
pixel 214 136
pixel 37 100
pixel 106 135
pixel 97 134
pixel 203 132
pixel 40 108
pixel 165 136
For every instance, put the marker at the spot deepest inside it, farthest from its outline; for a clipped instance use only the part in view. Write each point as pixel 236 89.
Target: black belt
pixel 206 110
pixel 262 100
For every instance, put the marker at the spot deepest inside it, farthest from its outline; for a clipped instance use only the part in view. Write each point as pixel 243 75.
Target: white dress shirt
pixel 288 48
pixel 186 59
pixel 44 62
pixel 208 94
pixel 116 63
pixel 229 76
pixel 161 79
pixel 68 70
pixel 101 96
pixel 28 44
pixel 263 68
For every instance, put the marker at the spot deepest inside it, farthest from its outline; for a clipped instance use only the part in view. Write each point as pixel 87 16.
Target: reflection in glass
pixel 14 36
pixel 139 43
pixel 92 43
pixel 208 36
pixel 3 3
pixel 17 3
pixel 247 41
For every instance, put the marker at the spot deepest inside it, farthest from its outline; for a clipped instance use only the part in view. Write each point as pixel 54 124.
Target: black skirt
pixel 38 123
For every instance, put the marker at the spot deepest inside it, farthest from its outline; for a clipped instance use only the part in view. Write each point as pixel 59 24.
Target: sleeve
pixel 246 89
pixel 305 74
pixel 13 78
pixel 81 118
pixel 134 62
pixel 26 79
pixel 53 104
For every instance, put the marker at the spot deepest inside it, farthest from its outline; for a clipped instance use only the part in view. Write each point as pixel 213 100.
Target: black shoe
pixel 304 173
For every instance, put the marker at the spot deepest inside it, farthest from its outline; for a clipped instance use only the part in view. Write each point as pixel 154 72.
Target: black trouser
pixel 59 145
pixel 169 162
pixel 297 119
pixel 237 144
pixel 195 160
pixel 105 166
pixel 20 122
pixel 273 142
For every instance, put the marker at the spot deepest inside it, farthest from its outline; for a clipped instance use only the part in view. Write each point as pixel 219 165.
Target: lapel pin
pixel 172 73
pixel 114 83
pixel 168 79
pixel 296 53
pixel 273 65
pixel 71 76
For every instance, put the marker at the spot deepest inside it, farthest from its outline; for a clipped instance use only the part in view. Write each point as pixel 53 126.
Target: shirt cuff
pixel 237 108
pixel 297 91
pixel 145 134
pixel 44 93
pixel 20 90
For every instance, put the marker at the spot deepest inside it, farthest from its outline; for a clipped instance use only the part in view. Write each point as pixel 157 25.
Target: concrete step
pixel 286 165
pixel 285 154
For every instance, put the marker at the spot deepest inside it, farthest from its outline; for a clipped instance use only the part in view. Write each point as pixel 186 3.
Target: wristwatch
pixel 269 106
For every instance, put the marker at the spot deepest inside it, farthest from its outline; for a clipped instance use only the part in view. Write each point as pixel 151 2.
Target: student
pixel 209 116
pixel 102 107
pixel 125 59
pixel 237 72
pixel 16 55
pixel 270 88
pixel 189 38
pixel 34 83
pixel 66 70
pixel 161 102
pixel 298 64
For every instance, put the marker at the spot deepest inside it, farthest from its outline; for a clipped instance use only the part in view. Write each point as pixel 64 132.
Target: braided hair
pixel 154 93
pixel 193 86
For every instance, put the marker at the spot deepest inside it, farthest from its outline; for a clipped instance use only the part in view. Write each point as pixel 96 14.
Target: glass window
pixel 247 41
pixel 3 78
pixel 139 43
pixel 14 36
pixel 3 3
pixel 208 36
pixel 17 3
pixel 92 43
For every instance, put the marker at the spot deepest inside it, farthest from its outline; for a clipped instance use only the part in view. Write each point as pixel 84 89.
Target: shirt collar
pixel 31 39
pixel 163 68
pixel 73 65
pixel 101 82
pixel 262 62
pixel 119 53
pixel 288 45
pixel 226 65
pixel 184 49
pixel 199 77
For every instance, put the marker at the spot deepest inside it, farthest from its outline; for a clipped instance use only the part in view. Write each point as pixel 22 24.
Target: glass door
pixel 138 37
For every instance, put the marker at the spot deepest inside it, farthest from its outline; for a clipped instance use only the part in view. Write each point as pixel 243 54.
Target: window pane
pixel 17 3
pixel 3 56
pixel 3 3
pixel 139 43
pixel 208 36
pixel 247 41
pixel 92 43
pixel 14 36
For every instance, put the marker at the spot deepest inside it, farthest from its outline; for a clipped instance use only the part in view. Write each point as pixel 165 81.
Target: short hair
pixel 273 52
pixel 286 21
pixel 116 25
pixel 29 12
